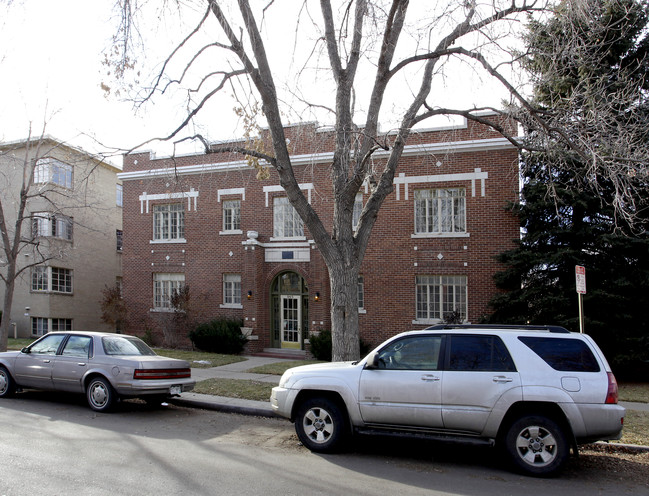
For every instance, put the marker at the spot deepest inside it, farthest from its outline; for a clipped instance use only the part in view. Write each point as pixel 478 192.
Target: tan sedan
pixel 105 367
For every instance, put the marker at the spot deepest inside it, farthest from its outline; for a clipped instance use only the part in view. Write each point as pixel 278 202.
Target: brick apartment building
pixel 208 222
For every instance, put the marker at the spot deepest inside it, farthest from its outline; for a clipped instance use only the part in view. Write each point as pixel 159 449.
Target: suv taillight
pixel 611 394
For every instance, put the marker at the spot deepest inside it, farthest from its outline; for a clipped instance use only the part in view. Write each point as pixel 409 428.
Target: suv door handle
pixel 502 378
pixel 429 378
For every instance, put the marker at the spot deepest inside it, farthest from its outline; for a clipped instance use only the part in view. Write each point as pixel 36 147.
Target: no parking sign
pixel 580 276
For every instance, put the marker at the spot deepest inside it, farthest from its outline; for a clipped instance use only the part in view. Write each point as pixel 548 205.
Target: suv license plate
pixel 175 390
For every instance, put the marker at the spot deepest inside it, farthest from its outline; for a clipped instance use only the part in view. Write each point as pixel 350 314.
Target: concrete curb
pixel 638 448
pixel 224 404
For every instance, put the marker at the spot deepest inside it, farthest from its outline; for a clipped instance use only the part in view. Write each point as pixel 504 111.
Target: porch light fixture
pixel 249 294
pixel 317 296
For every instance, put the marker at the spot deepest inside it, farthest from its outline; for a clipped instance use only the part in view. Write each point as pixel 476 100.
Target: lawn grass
pixel 200 359
pixel 636 428
pixel 278 368
pixel 634 391
pixel 235 388
pixel 18 344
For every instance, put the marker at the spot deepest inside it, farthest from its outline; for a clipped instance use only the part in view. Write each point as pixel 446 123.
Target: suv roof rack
pixel 549 328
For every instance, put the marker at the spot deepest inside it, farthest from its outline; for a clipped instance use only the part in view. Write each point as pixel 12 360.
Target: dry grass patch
pixel 200 359
pixel 235 388
pixel 636 428
pixel 634 391
pixel 279 368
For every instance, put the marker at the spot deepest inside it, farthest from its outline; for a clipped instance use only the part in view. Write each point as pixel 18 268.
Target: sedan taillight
pixel 161 373
pixel 611 394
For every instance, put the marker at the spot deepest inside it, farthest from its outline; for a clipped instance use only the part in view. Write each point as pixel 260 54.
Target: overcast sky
pixel 51 71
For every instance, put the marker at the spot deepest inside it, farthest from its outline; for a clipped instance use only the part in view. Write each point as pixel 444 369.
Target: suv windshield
pixel 125 346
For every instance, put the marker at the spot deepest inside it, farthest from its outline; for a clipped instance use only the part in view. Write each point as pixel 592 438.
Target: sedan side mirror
pixel 25 350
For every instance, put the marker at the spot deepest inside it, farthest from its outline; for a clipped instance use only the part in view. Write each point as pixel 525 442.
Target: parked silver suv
pixel 534 391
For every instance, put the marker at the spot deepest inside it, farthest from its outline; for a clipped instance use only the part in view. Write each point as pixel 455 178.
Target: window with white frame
pixel 54 279
pixel 54 225
pixel 169 222
pixel 164 286
pixel 440 210
pixel 119 195
pixel 232 289
pixel 51 170
pixel 39 279
pixel 43 325
pixel 40 326
pixel 61 280
pixel 440 296
pixel 358 209
pixel 286 221
pixel 232 215
pixel 61 325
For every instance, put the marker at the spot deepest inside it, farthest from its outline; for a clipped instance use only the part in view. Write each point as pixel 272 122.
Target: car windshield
pixel 118 345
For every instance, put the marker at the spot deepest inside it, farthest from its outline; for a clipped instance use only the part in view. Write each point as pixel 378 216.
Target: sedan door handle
pixel 46 361
pixel 81 364
pixel 502 378
pixel 429 378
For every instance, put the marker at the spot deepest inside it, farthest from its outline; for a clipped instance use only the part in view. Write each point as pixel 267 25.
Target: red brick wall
pixel 392 261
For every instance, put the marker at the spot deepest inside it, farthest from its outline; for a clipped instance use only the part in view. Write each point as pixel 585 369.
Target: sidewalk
pixel 236 370
pixel 239 370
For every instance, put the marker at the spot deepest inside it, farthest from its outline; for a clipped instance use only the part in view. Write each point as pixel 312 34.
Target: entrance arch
pixel 289 297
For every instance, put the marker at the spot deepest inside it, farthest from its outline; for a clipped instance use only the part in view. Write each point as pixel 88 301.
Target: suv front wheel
pixel 536 445
pixel 320 424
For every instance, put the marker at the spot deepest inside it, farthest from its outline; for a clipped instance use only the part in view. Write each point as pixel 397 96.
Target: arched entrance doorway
pixel 290 310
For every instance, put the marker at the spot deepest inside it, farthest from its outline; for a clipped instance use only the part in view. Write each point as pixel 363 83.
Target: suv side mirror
pixel 372 361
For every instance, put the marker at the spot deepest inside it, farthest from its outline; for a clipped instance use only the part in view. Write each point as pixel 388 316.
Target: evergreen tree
pixel 567 211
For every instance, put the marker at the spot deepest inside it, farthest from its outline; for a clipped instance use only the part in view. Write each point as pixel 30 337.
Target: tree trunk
pixel 6 309
pixel 343 281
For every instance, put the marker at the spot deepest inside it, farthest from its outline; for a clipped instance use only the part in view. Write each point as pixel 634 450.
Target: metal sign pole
pixel 580 280
pixel 581 313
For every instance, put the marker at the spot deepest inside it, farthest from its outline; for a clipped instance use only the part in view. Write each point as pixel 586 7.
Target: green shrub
pixel 219 336
pixel 321 346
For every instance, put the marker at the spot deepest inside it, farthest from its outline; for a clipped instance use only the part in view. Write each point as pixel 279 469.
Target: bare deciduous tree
pixel 377 57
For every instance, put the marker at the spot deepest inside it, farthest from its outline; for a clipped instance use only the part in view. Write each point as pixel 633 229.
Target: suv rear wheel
pixel 320 424
pixel 536 445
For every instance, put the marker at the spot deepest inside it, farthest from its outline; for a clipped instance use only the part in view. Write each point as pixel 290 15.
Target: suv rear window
pixel 566 355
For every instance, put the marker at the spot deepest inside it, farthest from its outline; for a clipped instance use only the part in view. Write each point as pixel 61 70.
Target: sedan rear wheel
pixel 100 394
pixel 7 384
